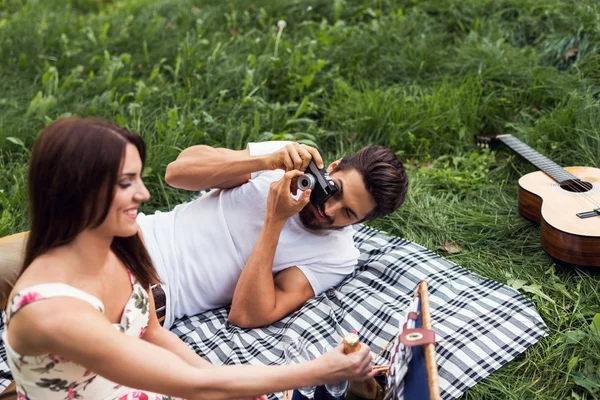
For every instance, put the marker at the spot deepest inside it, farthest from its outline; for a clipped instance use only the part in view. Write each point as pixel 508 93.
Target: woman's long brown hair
pixel 72 178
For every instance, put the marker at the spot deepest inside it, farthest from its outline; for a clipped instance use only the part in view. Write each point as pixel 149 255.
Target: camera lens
pixel 306 182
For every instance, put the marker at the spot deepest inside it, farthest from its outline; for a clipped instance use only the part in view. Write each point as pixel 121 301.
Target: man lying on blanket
pixel 222 249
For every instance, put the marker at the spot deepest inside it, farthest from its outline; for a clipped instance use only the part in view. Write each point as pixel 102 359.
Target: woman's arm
pixel 73 329
pixel 161 337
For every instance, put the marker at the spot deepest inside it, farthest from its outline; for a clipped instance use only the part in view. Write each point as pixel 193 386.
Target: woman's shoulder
pixel 47 268
pixel 51 275
pixel 41 301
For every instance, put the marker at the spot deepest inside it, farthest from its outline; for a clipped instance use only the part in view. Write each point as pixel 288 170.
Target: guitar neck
pixel 541 162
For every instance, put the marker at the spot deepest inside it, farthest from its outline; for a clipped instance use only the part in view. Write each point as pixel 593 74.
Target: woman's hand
pixel 340 366
pixel 293 156
pixel 280 204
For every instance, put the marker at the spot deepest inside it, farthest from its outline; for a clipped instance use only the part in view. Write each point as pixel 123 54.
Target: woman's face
pixel 129 193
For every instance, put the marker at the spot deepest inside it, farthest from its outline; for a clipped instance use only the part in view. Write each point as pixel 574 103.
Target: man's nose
pixel 332 206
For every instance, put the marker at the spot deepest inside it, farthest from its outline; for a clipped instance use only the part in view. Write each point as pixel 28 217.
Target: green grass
pixel 422 77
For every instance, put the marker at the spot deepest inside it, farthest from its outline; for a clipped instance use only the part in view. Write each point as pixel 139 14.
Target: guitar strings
pixel 549 167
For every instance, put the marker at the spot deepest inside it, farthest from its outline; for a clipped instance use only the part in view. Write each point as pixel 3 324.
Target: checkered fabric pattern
pixel 480 324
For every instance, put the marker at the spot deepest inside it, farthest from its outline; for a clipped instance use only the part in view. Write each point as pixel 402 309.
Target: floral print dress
pixel 52 377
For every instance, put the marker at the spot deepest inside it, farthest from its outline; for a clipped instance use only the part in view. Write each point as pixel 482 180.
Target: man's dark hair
pixel 384 177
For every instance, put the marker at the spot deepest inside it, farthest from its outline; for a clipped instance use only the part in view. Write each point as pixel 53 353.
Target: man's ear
pixel 333 165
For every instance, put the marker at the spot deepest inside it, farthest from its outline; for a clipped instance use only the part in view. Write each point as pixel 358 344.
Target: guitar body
pixel 565 236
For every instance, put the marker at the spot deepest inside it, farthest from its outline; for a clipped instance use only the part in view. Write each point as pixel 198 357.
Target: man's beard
pixel 312 222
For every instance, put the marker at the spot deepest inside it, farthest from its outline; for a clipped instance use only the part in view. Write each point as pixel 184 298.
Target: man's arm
pixel 259 299
pixel 204 167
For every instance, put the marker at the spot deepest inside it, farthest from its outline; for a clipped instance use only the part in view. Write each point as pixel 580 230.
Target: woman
pixel 80 306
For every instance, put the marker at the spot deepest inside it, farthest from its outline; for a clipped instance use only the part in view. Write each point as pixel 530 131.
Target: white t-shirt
pixel 200 247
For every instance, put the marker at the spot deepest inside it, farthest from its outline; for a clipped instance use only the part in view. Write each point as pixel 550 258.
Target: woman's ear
pixel 333 165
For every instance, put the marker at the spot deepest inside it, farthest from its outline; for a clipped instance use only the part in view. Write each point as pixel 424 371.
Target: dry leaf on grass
pixel 571 53
pixel 451 248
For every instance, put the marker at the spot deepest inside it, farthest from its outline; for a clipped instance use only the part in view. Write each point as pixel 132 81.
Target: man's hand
pixel 280 204
pixel 293 156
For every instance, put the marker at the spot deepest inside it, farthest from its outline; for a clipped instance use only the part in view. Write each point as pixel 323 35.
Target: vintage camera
pixel 319 182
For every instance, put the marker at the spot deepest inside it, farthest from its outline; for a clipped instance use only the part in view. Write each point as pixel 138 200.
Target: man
pixel 222 249
pixel 247 244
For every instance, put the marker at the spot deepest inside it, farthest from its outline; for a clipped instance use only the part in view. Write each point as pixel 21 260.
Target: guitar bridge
pixel 589 214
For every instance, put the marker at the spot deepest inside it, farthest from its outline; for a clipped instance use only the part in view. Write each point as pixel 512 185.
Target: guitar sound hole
pixel 576 186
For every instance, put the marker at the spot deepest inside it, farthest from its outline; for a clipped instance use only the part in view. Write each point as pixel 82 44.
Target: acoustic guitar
pixel 565 202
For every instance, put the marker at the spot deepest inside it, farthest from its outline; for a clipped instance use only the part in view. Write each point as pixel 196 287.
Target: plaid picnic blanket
pixel 480 324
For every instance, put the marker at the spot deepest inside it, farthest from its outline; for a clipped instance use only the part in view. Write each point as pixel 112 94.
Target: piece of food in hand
pixel 351 343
